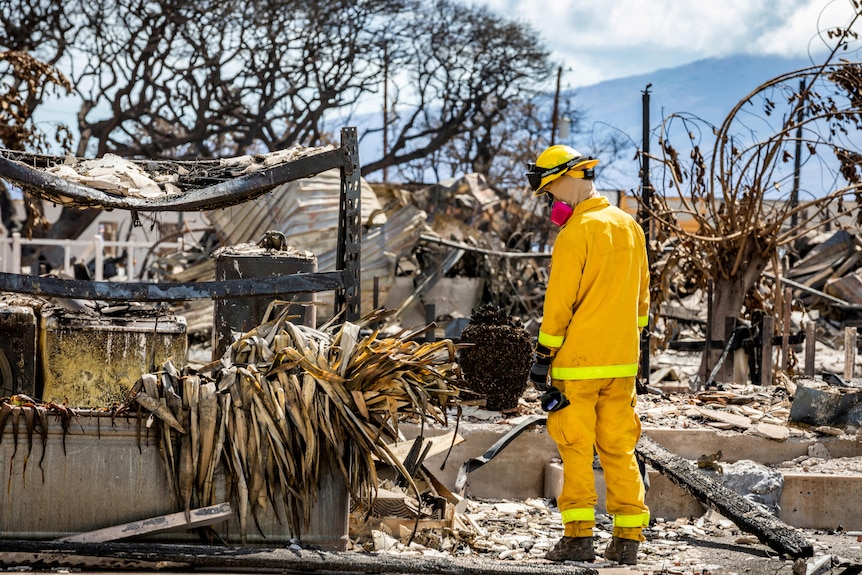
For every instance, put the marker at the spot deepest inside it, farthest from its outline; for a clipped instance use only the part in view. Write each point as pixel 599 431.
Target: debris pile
pixel 115 175
pixel 427 239
pixel 519 531
pixel 288 394
pixel 831 263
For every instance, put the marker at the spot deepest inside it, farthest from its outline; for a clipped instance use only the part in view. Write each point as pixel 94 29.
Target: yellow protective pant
pixel 600 416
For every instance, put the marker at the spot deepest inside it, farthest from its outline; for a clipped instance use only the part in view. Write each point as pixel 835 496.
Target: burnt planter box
pixel 111 473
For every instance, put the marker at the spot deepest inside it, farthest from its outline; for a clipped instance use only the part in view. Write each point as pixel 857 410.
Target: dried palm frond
pixel 286 398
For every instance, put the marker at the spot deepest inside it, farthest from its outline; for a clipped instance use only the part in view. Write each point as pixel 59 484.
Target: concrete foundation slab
pixel 526 468
pixel 818 501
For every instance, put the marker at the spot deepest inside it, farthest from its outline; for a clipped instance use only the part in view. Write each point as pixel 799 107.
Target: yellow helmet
pixel 556 161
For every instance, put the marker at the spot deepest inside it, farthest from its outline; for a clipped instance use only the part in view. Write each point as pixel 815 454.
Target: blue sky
pixel 597 41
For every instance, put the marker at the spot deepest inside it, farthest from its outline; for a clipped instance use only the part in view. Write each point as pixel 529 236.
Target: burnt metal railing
pixel 344 280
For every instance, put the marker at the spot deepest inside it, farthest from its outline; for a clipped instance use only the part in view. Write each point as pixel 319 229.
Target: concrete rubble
pixel 522 531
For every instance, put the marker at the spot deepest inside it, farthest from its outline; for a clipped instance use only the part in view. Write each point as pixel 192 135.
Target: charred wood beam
pixel 838 302
pixel 699 344
pixel 160 556
pixel 747 515
pixel 228 193
pixel 734 342
pixel 694 344
pixel 155 292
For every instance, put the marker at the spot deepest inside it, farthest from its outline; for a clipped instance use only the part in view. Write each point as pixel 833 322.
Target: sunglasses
pixel 535 174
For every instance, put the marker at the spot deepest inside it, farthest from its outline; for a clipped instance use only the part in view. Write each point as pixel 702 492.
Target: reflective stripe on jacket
pixel 597 297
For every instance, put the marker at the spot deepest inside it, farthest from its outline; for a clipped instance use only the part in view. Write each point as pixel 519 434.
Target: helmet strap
pixel 587 174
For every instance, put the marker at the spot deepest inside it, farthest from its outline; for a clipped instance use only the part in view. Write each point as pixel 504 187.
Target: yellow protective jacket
pixel 597 298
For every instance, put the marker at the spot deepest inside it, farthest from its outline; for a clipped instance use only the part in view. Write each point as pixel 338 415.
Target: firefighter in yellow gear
pixel 587 354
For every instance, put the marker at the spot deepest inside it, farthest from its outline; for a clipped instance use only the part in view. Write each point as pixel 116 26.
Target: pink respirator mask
pixel 561 212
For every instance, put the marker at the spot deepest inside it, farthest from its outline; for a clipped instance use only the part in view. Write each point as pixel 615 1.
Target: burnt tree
pixel 740 194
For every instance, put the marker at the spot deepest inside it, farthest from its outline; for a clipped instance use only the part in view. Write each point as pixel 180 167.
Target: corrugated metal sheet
pixel 382 247
pixel 306 212
pixel 301 209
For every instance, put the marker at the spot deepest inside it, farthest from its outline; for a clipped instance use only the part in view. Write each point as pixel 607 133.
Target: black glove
pixel 541 367
pixel 553 399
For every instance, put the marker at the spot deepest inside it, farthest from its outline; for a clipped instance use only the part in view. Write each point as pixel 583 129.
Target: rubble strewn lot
pixel 466 230
pixel 523 530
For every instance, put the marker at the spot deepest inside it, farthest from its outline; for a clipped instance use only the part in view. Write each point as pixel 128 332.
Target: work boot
pixel 572 549
pixel 623 551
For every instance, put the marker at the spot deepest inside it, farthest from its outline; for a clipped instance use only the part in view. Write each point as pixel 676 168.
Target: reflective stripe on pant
pixel 601 414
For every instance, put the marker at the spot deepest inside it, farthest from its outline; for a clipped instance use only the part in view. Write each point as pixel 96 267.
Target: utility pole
pixel 646 221
pixel 556 107
pixel 797 160
pixel 646 186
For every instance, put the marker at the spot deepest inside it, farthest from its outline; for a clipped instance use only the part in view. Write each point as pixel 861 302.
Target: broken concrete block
pixel 754 481
pixel 732 419
pixel 819 450
pixel 770 431
pixel 826 406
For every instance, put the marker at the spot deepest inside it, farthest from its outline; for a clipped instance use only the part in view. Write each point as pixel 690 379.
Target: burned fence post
pixel 734 336
pixel 785 329
pixel 849 352
pixel 810 340
pixel 375 299
pixel 767 330
pixel 375 296
pixel 707 350
pixel 430 318
pixel 727 366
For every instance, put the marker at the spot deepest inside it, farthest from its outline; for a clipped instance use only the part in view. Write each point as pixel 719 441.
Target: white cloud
pixel 804 31
pixel 615 38
pixel 683 24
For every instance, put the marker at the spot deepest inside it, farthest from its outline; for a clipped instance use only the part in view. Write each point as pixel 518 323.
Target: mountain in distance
pixel 707 89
